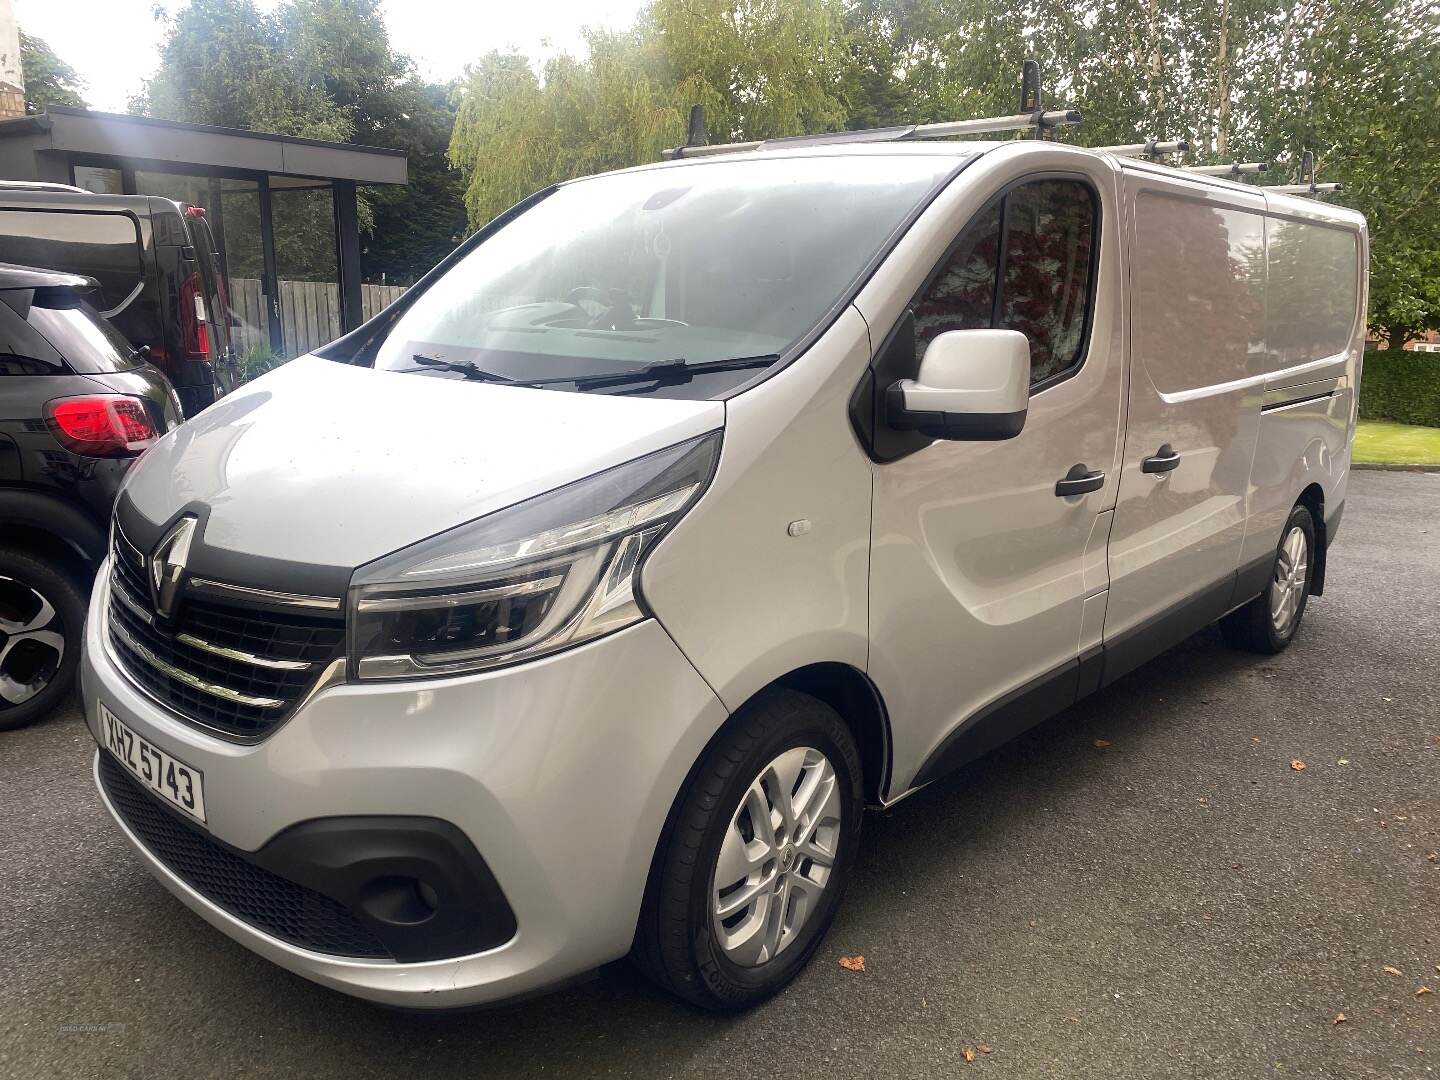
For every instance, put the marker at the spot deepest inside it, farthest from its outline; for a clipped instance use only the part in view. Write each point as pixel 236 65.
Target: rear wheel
pixel 756 857
pixel 1268 623
pixel 41 615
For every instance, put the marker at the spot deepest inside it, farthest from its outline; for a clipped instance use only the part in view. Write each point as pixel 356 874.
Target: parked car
pixel 76 408
pixel 161 279
pixel 577 604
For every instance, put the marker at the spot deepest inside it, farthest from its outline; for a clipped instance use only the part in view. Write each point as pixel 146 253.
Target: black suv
pixel 77 406
pixel 160 278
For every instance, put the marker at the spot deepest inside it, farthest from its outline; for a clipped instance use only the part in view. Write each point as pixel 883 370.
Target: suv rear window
pixel 88 343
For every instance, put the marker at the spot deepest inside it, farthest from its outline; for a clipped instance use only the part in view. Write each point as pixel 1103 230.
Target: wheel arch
pixel 851 693
pixel 1313 499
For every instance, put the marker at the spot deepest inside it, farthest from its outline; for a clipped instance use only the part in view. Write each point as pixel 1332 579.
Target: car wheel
pixel 42 613
pixel 1268 623
pixel 756 856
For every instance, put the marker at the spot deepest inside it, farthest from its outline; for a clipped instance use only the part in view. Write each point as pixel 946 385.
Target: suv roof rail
pixel 1031 114
pixel 41 185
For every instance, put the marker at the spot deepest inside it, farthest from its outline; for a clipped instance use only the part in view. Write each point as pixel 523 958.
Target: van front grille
pixel 234 668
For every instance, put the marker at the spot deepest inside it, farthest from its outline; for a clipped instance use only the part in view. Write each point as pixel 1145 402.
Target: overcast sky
pixel 114 43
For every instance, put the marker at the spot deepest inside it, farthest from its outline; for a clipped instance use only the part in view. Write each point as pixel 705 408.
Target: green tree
pixel 321 69
pixel 48 79
pixel 761 68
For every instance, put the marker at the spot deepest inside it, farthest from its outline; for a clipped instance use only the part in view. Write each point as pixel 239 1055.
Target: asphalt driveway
pixel 1142 887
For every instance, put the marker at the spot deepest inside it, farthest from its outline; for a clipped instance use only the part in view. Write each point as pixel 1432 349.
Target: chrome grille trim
pixel 240 654
pixel 265 596
pixel 181 675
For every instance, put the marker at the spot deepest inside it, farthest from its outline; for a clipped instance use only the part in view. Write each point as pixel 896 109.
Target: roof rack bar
pixel 707 151
pixel 1245 168
pixel 1151 149
pixel 1305 189
pixel 1016 122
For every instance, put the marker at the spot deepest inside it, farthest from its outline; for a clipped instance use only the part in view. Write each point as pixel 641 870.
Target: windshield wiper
pixel 464 367
pixel 665 373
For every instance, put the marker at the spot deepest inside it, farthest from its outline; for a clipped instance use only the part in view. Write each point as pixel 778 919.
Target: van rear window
pixel 1313 297
pixel 105 246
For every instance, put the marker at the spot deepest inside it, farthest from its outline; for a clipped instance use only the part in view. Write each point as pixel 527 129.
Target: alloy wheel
pixel 776 857
pixel 32 642
pixel 1292 567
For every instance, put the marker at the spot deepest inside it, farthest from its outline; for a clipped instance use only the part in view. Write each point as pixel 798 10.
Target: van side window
pixel 962 297
pixel 1045 290
pixel 1044 282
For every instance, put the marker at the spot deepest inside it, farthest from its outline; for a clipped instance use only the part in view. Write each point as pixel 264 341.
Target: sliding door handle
pixel 1078 481
pixel 1162 461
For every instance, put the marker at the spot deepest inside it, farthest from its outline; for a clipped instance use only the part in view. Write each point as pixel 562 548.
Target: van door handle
pixel 1163 460
pixel 1078 481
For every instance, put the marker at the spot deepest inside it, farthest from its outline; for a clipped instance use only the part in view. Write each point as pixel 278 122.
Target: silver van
pixel 578 604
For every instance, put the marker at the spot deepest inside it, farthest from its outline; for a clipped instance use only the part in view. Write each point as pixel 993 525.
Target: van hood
pixel 318 467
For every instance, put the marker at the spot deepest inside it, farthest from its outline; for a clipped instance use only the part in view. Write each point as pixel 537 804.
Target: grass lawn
pixel 1379 442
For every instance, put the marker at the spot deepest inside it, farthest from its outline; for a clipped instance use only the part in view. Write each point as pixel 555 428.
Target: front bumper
pixel 560 772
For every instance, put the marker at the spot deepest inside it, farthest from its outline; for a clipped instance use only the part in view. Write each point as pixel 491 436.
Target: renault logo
pixel 167 566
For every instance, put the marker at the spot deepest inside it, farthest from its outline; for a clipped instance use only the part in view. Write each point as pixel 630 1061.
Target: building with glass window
pixel 283 210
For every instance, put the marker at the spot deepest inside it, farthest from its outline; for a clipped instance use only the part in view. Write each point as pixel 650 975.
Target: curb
pixel 1389 467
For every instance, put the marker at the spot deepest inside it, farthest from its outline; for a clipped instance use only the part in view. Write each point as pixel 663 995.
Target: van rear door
pixel 1197 329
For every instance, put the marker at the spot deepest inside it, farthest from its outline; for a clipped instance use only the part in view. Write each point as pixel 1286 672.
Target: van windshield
pixel 726 260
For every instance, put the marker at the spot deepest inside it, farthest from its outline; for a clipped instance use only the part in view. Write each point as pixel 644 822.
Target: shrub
pixel 256 362
pixel 1401 386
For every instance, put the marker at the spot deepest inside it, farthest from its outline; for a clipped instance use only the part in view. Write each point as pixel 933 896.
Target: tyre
pixel 1268 623
pixel 756 856
pixel 42 614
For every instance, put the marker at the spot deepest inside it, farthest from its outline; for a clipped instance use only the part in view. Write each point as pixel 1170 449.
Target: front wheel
pixel 756 857
pixel 1268 623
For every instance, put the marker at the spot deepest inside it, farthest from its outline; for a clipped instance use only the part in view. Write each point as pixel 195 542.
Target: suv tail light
pixel 102 425
pixel 192 318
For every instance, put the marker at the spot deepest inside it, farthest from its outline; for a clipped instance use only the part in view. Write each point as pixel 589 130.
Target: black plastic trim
pixel 1332 523
pixel 953 427
pixel 1290 403
pixel 60 519
pixel 1127 651
pixel 351 859
pixel 1002 720
pixel 223 564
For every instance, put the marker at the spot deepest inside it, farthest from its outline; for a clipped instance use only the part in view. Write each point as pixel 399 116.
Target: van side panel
pixel 1315 332
pixel 768 573
pixel 1197 280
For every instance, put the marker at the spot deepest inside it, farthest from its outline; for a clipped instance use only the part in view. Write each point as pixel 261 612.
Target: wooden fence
pixel 309 313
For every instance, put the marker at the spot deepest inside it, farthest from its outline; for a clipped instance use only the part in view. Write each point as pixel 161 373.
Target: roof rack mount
pixel 1030 115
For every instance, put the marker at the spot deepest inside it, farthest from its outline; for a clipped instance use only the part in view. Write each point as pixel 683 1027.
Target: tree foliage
pixel 48 79
pixel 319 69
pixel 1356 82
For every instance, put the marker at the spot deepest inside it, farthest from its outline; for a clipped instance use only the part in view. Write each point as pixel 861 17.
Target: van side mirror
pixel 973 385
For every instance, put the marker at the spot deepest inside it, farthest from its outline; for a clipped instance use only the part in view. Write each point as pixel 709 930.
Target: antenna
pixel 1235 171
pixel 1307 184
pixel 1151 150
pixel 1031 116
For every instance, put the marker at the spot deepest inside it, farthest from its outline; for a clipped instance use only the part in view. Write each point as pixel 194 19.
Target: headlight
pixel 539 576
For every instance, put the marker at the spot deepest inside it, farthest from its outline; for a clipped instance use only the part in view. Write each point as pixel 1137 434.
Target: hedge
pixel 1401 386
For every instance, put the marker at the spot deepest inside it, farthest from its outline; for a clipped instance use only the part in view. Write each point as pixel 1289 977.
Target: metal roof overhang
pixel 203 148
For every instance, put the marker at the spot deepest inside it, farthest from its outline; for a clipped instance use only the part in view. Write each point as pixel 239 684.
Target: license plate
pixel 181 785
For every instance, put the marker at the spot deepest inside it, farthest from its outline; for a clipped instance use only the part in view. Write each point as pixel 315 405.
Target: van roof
pixel 803 148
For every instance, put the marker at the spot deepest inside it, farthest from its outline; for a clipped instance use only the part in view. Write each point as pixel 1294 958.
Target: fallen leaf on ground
pixel 1434 856
pixel 1297 764
pixel 1423 990
pixel 1101 744
pixel 1339 1018
pixel 852 963
pixel 1393 970
pixel 1255 738
pixel 968 1053
pixel 1343 761
pixel 985 1048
